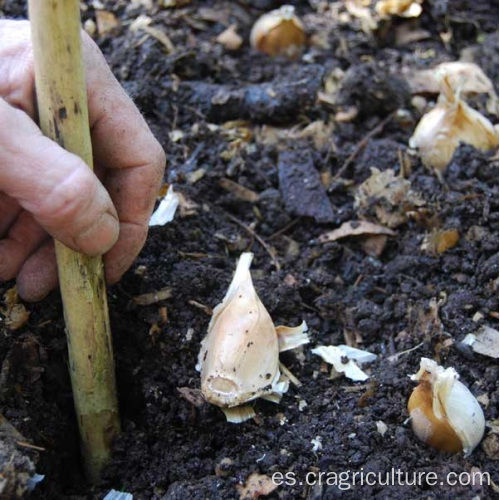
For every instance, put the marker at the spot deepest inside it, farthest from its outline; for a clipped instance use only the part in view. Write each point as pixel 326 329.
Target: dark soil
pixel 172 449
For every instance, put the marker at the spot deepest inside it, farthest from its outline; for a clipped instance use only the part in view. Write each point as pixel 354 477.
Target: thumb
pixel 56 187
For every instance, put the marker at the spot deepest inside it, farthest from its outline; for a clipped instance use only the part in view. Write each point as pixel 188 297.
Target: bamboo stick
pixel 63 112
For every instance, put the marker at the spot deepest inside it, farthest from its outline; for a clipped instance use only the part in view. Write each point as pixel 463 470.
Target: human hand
pixel 48 192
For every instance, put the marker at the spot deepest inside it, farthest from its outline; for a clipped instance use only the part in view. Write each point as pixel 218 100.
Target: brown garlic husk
pixel 279 33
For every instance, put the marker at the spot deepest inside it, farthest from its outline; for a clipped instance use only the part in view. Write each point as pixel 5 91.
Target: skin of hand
pixel 46 192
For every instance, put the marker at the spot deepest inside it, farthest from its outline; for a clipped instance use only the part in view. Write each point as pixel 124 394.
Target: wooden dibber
pixel 62 106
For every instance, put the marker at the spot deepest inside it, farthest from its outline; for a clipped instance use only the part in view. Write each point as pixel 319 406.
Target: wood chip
pixel 193 396
pixel 152 298
pixel 354 228
pixel 239 191
pixel 106 22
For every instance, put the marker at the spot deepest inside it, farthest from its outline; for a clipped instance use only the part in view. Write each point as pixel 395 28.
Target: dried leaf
pixel 354 228
pixel 255 486
pixel 389 195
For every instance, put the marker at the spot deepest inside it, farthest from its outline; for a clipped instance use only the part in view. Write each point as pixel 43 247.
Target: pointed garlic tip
pixel 239 357
pixel 444 413
pixel 450 122
pixel 279 32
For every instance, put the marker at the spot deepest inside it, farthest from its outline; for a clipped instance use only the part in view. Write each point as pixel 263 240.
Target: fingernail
pixel 99 237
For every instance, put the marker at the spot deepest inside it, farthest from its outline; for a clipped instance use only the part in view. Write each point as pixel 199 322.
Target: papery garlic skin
pixel 239 357
pixel 444 413
pixel 279 32
pixel 450 122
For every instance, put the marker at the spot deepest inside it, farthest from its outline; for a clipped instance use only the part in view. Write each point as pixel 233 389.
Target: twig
pixel 257 237
pixel 293 379
pixel 285 228
pixel 362 144
pixel 30 446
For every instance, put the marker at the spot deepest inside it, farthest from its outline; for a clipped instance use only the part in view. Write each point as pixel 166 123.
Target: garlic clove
pixel 401 8
pixel 279 32
pixel 452 121
pixel 444 413
pixel 239 358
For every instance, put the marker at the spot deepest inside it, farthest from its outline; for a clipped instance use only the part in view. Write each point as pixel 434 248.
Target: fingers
pixel 38 276
pixel 127 151
pixel 22 240
pixel 121 256
pixel 55 186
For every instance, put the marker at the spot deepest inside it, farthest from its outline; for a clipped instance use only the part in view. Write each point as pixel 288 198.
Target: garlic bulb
pixel 444 413
pixel 450 122
pixel 239 357
pixel 279 32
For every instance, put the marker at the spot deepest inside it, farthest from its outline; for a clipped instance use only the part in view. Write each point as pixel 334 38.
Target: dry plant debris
pixel 345 360
pixel 440 241
pixel 466 77
pixel 148 299
pixel 391 197
pixel 16 315
pixel 106 22
pixel 355 228
pixel 166 209
pixel 256 486
pixel 484 341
